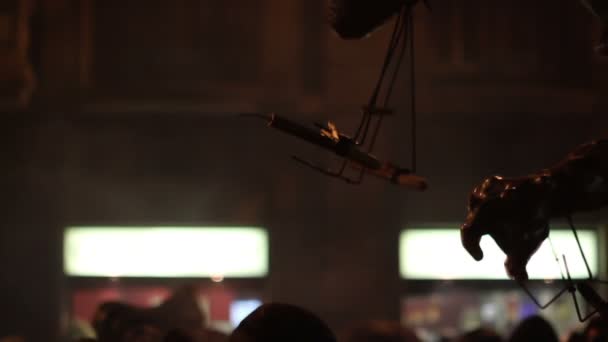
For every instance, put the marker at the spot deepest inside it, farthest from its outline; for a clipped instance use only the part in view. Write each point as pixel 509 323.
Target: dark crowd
pixel 179 319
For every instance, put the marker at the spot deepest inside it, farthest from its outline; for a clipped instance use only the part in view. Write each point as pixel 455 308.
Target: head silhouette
pixel 480 335
pixel 380 331
pixel 277 322
pixel 596 330
pixel 534 328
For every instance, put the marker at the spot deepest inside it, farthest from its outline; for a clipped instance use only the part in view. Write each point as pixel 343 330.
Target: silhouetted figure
pixel 197 335
pixel 596 330
pixel 177 336
pixel 113 321
pixel 534 328
pixel 276 322
pixel 576 336
pixel 480 335
pixel 116 322
pixel 380 331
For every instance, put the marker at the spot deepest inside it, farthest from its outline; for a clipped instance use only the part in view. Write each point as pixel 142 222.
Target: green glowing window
pixel 166 252
pixel 438 254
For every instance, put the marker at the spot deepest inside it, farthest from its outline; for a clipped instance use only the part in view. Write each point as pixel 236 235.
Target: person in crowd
pixel 278 322
pixel 480 335
pixel 120 322
pixel 380 331
pixel 199 335
pixel 596 330
pixel 534 328
pixel 576 336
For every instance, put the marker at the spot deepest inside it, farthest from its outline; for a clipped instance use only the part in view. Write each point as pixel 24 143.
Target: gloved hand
pixel 515 212
pixel 512 211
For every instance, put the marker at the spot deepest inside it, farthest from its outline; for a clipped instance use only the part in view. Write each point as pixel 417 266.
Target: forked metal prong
pixel 339 174
pixel 573 293
pixel 536 302
pixel 580 248
pixel 578 310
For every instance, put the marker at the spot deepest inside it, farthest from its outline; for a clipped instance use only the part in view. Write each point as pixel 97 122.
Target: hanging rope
pixel 402 38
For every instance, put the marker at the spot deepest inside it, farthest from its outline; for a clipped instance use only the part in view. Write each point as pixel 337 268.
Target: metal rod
pixel 579 246
pixel 533 298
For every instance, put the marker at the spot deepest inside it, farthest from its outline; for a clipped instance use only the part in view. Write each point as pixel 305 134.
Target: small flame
pixel 331 132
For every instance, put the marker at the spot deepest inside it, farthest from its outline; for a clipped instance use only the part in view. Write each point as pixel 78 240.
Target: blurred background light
pixel 239 309
pixel 191 252
pixel 438 254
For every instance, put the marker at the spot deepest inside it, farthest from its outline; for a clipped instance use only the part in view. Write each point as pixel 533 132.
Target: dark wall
pixel 30 240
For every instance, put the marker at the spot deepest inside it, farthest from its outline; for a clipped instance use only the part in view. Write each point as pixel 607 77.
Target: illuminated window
pixel 438 254
pixel 190 252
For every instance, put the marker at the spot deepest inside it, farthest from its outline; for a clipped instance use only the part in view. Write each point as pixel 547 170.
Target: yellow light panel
pixel 438 254
pixel 167 252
